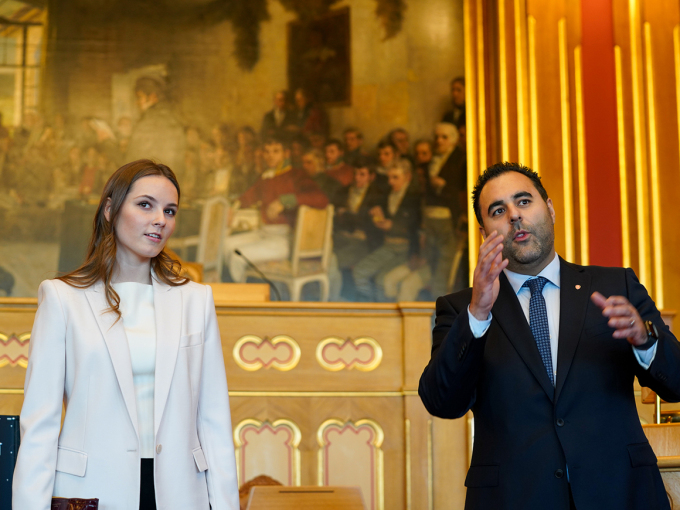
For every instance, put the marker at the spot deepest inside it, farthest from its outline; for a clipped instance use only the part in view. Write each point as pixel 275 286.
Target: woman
pixel 133 350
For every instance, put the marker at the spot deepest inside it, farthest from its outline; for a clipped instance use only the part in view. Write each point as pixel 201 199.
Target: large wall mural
pixel 355 107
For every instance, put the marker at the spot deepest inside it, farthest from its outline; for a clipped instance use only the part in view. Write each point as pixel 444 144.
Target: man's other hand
pixel 623 317
pixel 485 283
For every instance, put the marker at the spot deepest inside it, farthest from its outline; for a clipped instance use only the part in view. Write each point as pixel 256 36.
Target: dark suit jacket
pixel 269 127
pixel 350 222
pixel 454 172
pixel 406 219
pixel 526 431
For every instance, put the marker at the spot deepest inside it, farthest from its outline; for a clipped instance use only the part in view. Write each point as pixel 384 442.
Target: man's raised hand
pixel 485 283
pixel 623 317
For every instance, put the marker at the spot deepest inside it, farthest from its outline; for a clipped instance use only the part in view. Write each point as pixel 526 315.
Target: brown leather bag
pixel 74 504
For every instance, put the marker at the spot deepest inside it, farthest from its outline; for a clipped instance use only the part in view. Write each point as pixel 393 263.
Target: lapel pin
pixel 578 287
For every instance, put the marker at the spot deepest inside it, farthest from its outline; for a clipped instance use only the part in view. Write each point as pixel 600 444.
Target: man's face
pixel 400 139
pixel 444 139
pixel 274 154
pixel 362 177
pixel 386 156
pixel 398 179
pixel 145 101
pixel 333 154
pixel 310 165
pixel 279 101
pixel 458 94
pixel 300 99
pixel 511 205
pixel 423 153
pixel 352 141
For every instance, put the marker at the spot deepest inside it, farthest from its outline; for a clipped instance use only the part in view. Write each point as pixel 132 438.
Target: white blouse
pixel 139 321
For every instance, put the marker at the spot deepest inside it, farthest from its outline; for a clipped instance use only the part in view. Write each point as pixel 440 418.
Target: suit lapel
pixel 509 314
pixel 574 297
pixel 168 311
pixel 117 345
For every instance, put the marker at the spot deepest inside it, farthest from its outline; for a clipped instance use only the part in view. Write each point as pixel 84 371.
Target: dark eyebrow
pixel 152 199
pixel 519 194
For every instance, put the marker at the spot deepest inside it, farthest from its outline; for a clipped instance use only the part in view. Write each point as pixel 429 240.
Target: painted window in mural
pixel 334 134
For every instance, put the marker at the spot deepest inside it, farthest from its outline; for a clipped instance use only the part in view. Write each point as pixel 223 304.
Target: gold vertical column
pixel 623 173
pixel 641 191
pixel 407 446
pixel 676 55
pixel 430 465
pixel 521 73
pixel 566 143
pixel 503 85
pixel 533 94
pixel 581 150
pixel 654 170
pixel 472 134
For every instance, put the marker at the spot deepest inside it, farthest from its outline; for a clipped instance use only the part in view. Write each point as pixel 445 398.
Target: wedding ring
pixel 632 323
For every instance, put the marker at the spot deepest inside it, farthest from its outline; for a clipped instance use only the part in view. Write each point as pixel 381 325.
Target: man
pixel 158 135
pixel 401 140
pixel 335 164
pixel 445 204
pixel 354 141
pixel 399 218
pixel 313 165
pixel 456 115
pixel 276 121
pixel 354 234
pixel 279 191
pixel 309 118
pixel 548 370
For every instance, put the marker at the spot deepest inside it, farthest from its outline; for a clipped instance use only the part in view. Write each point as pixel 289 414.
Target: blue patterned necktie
pixel 538 322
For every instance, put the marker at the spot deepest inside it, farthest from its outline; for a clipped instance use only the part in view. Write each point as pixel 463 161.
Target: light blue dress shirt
pixel 551 294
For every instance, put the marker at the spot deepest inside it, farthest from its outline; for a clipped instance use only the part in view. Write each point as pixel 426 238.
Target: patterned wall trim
pixel 14 350
pixel 252 353
pixel 334 353
pixel 291 437
pixel 348 465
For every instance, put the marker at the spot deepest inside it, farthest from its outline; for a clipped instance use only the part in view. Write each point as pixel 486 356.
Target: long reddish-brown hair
pixel 101 253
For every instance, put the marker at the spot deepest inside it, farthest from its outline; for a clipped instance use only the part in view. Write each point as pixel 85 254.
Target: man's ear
pixel 107 209
pixel 551 209
pixel 483 233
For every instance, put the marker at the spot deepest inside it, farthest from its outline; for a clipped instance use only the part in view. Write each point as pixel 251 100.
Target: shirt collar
pixel 551 272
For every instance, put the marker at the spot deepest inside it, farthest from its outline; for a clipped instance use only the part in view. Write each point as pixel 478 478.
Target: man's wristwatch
pixel 652 336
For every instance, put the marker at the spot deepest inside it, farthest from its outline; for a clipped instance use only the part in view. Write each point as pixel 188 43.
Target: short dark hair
pixel 364 162
pixel 496 171
pixel 273 140
pixel 387 143
pixel 336 142
pixel 148 85
pixel 355 130
pixel 458 79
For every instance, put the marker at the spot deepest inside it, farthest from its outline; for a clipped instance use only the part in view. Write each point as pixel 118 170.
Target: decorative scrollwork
pixel 252 353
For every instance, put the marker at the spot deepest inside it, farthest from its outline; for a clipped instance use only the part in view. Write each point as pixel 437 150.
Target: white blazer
pixel 79 355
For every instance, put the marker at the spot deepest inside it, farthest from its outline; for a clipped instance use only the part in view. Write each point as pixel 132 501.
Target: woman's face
pixel 146 219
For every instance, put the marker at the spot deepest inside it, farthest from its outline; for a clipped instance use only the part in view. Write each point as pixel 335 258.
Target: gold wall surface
pixel 523 61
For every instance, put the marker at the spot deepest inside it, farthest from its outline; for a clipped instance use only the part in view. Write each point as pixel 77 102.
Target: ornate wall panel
pixel 351 454
pixel 264 448
pixel 335 354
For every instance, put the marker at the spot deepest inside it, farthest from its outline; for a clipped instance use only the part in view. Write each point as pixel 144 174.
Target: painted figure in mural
pixel 247 162
pixel 445 191
pixel 132 350
pixel 401 140
pixel 335 162
pixel 398 216
pixel 278 192
pixel 313 165
pixel 456 115
pixel 276 121
pixel 309 116
pixel 354 142
pixel 545 354
pixel 354 233
pixel 157 135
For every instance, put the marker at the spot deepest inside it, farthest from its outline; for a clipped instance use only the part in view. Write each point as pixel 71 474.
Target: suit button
pixel 559 473
pixel 560 422
pixel 159 448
